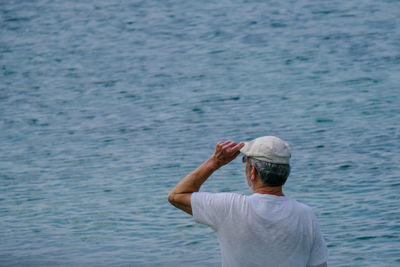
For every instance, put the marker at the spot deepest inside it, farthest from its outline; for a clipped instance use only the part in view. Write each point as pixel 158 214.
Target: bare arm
pixel 180 195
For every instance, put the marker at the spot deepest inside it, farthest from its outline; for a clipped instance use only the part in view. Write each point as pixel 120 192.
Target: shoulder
pixel 212 208
pixel 226 197
pixel 219 201
pixel 303 208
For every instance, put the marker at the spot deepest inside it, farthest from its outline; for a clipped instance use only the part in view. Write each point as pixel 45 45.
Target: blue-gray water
pixel 105 105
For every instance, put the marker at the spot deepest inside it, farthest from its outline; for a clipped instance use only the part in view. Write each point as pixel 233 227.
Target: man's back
pixel 261 229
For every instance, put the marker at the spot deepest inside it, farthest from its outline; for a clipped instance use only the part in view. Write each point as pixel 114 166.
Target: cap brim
pixel 245 148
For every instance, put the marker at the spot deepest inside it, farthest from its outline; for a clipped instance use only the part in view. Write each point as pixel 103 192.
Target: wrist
pixel 212 164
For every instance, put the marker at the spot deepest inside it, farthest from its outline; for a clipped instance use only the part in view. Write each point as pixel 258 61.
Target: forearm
pixel 193 181
pixel 180 195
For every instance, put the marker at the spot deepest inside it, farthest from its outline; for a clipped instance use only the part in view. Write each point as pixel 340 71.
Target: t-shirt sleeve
pixel 319 251
pixel 210 208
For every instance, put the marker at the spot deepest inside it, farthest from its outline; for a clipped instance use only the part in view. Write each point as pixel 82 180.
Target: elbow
pixel 171 197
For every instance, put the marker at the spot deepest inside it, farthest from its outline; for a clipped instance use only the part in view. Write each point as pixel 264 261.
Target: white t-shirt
pixel 261 229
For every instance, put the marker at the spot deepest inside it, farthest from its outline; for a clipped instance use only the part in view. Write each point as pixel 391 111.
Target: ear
pixel 253 173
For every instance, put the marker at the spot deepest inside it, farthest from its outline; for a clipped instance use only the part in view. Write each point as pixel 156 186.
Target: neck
pixel 271 190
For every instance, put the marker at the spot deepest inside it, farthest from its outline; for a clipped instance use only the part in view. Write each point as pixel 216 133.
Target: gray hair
pixel 271 174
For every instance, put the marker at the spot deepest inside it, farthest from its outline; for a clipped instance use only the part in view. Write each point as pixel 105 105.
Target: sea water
pixel 106 105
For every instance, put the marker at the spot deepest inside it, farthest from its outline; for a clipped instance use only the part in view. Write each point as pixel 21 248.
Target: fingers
pixel 226 151
pixel 230 146
pixel 238 146
pixel 221 144
pixel 225 143
pixel 236 154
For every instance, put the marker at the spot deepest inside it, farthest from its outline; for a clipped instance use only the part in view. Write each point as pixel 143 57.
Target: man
pixel 264 229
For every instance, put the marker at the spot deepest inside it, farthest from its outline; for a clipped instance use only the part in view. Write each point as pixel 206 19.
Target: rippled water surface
pixel 105 105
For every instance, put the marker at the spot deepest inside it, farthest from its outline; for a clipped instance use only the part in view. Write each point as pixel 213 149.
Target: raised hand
pixel 225 152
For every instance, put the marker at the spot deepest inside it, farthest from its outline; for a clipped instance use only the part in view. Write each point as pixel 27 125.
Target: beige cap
pixel 268 148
